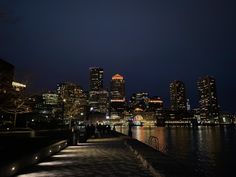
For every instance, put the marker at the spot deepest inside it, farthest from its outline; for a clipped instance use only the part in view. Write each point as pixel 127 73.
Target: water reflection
pixel 210 150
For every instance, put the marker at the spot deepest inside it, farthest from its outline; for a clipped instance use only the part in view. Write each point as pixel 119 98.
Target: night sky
pixel 150 42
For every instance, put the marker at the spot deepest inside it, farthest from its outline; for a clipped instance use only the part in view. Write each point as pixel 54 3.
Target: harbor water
pixel 211 150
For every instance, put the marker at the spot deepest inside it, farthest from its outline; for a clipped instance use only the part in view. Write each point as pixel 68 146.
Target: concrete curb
pixel 31 159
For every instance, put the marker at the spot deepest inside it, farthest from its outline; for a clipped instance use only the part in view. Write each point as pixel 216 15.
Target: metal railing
pixel 154 142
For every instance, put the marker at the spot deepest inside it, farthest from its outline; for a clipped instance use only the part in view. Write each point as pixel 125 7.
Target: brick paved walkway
pixel 97 158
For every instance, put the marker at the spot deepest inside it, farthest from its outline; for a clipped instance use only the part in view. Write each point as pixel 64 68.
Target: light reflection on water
pixel 210 150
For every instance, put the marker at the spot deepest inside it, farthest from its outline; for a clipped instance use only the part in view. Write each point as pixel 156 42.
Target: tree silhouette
pixel 15 103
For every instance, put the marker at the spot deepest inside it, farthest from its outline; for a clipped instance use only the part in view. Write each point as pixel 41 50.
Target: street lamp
pixel 63 110
pixel 70 122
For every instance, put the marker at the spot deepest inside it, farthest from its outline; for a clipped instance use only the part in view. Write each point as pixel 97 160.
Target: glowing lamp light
pixel 36 158
pixel 17 84
pixel 13 168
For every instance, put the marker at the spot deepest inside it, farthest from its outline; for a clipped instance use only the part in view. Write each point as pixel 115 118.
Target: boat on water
pixel 137 123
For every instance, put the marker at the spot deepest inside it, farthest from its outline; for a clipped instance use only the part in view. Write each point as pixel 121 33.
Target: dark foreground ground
pixel 13 148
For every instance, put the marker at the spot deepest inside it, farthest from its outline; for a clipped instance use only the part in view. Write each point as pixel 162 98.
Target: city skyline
pixel 150 43
pixel 177 91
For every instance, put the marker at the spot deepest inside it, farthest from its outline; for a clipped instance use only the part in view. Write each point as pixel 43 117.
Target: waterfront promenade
pixel 112 156
pixel 95 158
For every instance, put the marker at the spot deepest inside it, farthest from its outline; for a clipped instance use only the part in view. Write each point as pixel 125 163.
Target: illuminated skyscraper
pixel 178 96
pixel 117 88
pixel 98 97
pixel 208 98
pixel 117 95
pixel 73 99
pixel 96 79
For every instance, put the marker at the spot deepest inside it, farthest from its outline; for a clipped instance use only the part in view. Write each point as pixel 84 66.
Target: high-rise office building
pixel 139 101
pixel 50 98
pixel 98 97
pixel 209 108
pixel 117 95
pixel 154 104
pixel 73 99
pixel 117 88
pixel 178 96
pixel 96 78
pixel 6 78
pixel 99 101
